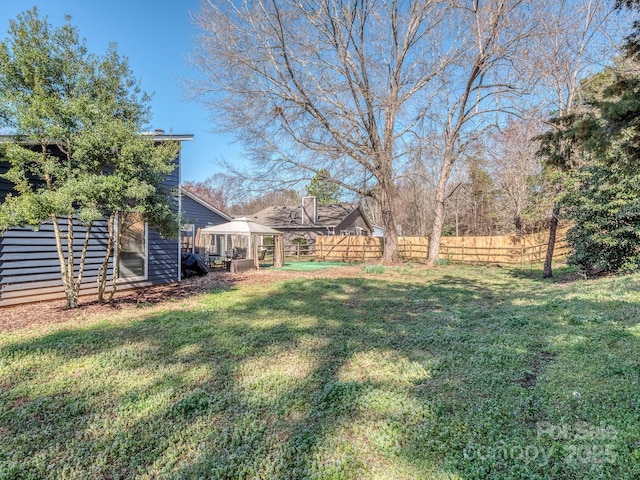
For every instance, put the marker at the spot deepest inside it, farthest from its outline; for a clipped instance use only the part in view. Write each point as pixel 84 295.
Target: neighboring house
pixel 310 220
pixel 196 215
pixel 29 265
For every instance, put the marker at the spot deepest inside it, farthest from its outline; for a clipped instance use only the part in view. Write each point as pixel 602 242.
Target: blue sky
pixel 156 36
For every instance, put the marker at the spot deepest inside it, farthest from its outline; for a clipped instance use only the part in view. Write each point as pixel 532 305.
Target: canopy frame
pixel 239 229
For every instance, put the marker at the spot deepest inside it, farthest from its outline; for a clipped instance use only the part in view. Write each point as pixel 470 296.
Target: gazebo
pixel 238 241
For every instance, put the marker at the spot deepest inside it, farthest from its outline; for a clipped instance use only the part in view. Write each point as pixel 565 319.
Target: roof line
pixel 204 203
pixel 4 138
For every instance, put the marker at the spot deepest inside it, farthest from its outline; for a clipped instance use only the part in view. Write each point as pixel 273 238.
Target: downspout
pixel 179 213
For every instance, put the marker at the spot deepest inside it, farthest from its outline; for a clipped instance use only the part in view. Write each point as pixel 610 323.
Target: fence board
pixel 512 249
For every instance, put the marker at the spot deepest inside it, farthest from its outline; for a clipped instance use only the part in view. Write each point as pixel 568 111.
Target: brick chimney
pixel 309 210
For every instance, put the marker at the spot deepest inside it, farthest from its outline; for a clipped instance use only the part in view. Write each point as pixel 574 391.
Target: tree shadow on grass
pixel 347 378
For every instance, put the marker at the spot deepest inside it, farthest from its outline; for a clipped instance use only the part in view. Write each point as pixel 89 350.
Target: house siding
pixel 163 254
pixel 198 215
pixel 29 265
pixel 30 268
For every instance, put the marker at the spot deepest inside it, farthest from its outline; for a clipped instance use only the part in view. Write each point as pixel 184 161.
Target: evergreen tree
pixel 77 155
pixel 323 188
pixel 602 197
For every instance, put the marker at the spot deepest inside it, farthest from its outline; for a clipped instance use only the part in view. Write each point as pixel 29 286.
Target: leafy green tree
pixel 632 45
pixel 130 188
pixel 76 156
pixel 602 194
pixel 321 187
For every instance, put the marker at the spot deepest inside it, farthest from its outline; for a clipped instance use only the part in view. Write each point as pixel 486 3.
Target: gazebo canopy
pixel 240 237
pixel 240 226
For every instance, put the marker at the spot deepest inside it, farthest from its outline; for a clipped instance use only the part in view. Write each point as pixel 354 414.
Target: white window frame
pixel 145 275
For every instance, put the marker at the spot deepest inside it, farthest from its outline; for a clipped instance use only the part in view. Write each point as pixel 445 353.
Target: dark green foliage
pixel 78 153
pixel 322 187
pixel 605 210
pixel 632 46
pixel 599 149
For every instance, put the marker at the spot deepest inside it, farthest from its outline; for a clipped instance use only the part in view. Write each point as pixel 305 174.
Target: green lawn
pixel 307 266
pixel 444 373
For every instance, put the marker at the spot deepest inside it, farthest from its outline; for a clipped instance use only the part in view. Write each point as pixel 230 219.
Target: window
pixel 133 255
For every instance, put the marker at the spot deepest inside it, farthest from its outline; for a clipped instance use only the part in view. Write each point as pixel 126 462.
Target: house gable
pixel 335 219
pixel 196 211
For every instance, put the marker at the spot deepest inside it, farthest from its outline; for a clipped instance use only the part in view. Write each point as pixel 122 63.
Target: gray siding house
pixel 196 215
pixel 309 220
pixel 29 266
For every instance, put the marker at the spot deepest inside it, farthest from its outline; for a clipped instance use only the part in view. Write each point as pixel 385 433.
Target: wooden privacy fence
pixel 512 249
pixel 348 248
pixel 292 250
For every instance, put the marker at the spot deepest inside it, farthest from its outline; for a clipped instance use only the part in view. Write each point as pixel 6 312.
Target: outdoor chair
pixel 216 261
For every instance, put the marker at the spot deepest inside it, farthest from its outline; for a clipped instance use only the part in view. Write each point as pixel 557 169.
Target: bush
pixel 605 211
pixel 375 269
pixel 301 243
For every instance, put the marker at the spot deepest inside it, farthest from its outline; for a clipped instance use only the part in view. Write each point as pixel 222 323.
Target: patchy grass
pixel 444 373
pixel 373 268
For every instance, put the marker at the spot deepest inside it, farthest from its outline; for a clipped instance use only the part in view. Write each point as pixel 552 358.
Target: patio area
pixel 236 246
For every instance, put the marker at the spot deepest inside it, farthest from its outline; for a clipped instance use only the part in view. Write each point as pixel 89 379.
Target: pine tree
pixel 323 188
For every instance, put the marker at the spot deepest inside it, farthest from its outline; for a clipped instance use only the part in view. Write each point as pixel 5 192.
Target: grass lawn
pixel 443 373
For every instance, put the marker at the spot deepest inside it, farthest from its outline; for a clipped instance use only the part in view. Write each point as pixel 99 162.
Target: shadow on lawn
pixel 321 379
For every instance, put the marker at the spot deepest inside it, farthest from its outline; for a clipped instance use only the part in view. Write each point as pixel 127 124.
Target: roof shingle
pixel 290 216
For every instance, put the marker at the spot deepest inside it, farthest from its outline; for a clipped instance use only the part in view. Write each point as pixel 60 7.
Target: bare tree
pixel 483 88
pixel 328 84
pixel 516 167
pixel 348 86
pixel 414 199
pixel 277 198
pixel 220 190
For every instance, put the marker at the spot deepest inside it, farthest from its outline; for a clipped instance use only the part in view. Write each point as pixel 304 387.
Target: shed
pixel 238 241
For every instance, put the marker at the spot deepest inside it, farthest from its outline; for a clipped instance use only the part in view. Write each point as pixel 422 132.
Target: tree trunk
pixel 116 256
pixel 104 268
pixel 517 223
pixel 83 258
pixel 436 231
pixel 438 220
pixel 553 229
pixel 66 264
pixel 390 252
